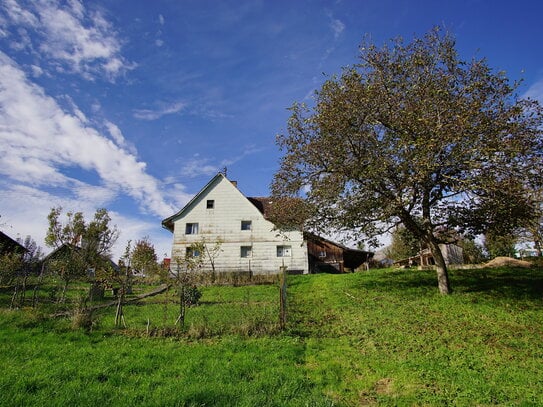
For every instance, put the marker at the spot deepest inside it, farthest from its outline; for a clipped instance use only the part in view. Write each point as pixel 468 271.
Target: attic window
pixel 191 229
pixel 210 204
pixel 246 225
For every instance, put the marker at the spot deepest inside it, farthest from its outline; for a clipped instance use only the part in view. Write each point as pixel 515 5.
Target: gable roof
pixel 66 248
pixel 8 245
pixel 168 222
pixel 263 204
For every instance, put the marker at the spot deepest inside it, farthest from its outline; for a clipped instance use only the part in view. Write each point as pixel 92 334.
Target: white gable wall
pixel 223 222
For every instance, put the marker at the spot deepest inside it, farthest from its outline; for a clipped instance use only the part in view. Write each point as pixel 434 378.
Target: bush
pixel 192 295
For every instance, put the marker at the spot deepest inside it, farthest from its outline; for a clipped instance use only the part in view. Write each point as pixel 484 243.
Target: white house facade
pixel 221 216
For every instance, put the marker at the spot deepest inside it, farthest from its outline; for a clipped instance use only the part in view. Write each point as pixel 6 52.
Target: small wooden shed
pixel 326 256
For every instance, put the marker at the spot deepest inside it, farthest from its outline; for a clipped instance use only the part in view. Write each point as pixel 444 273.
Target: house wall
pixel 223 222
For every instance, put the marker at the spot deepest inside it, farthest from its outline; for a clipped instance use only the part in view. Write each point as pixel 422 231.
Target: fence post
pixel 283 298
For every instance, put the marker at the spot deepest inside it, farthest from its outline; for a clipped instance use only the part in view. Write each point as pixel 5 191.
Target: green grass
pixel 378 338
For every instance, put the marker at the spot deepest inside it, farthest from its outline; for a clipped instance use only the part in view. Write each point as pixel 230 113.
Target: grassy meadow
pixel 383 337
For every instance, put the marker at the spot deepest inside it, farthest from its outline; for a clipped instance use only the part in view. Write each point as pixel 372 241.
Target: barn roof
pixel 8 245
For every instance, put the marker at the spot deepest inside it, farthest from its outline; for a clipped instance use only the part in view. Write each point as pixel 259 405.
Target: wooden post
pixel 283 298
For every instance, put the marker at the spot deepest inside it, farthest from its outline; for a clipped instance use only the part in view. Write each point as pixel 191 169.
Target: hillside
pixel 378 338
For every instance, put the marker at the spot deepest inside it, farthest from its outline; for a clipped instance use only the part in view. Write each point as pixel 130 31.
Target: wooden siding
pixel 331 257
pixel 325 257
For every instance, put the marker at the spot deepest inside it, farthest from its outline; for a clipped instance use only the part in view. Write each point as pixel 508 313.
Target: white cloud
pixel 39 140
pixel 197 166
pixel 20 15
pixel 118 137
pixel 36 71
pixel 337 26
pixel 82 40
pixel 535 91
pixel 161 19
pixel 147 114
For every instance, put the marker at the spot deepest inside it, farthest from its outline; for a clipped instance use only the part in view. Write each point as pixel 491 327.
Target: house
pixel 221 217
pixel 8 245
pixel 242 238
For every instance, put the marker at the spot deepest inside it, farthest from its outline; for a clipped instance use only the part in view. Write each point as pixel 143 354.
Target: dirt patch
pixel 383 386
pixel 508 262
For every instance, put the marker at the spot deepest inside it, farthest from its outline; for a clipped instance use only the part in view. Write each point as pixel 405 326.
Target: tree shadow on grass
pixel 512 283
pixel 504 283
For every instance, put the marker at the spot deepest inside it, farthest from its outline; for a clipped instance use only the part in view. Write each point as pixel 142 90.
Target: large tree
pixel 411 135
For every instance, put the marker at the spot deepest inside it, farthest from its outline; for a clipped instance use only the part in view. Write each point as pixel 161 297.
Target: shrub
pixel 192 295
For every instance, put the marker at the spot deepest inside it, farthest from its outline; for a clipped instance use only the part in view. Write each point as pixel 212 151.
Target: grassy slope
pixel 383 337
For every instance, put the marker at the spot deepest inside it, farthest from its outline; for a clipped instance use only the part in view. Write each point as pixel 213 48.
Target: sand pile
pixel 507 262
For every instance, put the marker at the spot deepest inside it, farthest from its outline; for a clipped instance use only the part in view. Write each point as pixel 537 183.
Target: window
pixel 210 204
pixel 246 225
pixel 322 254
pixel 191 229
pixel 283 251
pixel 246 251
pixel 191 252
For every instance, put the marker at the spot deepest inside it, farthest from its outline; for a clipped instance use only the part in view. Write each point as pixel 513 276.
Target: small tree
pixel 31 264
pixel 122 279
pixel 80 246
pixel 500 244
pixel 412 135
pixel 143 257
pixel 403 244
pixel 473 251
pixel 211 251
pixel 183 273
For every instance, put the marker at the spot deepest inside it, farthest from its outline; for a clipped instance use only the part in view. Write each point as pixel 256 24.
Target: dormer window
pixel 210 204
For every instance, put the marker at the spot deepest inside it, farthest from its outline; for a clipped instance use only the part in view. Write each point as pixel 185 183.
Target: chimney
pixel 234 183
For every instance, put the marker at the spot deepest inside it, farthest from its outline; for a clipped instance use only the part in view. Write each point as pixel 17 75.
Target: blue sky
pixel 133 105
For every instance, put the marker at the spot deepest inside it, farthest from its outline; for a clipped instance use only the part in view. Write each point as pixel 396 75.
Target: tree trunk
pixel 35 292
pixel 119 314
pixel 62 298
pixel 181 317
pixel 537 246
pixel 441 268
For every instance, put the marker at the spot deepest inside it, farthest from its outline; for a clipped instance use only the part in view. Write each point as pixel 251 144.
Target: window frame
pixel 190 252
pixel 191 228
pixel 248 225
pixel 284 251
pixel 247 250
